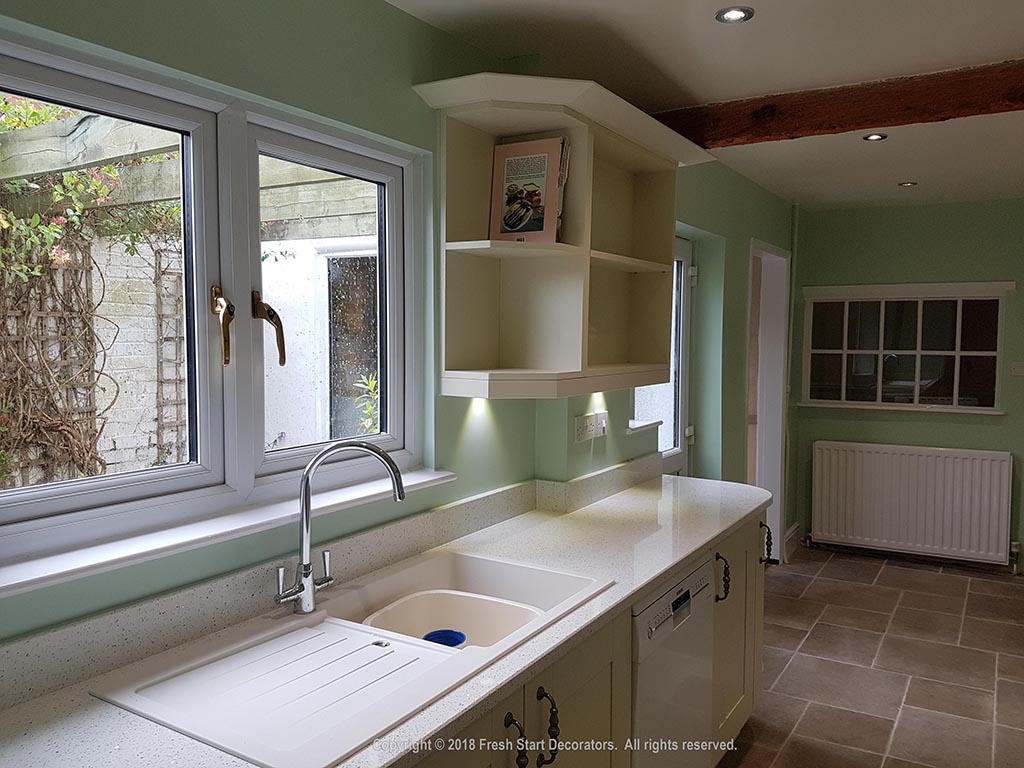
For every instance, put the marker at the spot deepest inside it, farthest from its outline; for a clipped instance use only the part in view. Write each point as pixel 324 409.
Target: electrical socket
pixel 590 425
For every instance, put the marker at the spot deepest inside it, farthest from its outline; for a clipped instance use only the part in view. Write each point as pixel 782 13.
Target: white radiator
pixel 931 501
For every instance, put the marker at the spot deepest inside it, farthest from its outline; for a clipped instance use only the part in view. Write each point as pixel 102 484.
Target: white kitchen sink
pixel 288 691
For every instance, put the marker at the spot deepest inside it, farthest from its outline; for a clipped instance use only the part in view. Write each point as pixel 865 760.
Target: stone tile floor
pixel 883 663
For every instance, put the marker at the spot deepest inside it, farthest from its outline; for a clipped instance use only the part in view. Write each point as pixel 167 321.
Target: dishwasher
pixel 672 647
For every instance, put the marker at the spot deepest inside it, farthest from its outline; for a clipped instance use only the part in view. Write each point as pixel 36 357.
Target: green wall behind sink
pixel 355 62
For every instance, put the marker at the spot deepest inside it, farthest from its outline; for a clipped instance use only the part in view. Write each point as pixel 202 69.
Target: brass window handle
pixel 222 308
pixel 263 311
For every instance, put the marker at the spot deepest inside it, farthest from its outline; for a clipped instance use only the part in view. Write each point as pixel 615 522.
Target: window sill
pixel 53 569
pixel 641 426
pixel 903 408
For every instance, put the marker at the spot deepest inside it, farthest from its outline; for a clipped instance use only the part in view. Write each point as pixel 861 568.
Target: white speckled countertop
pixel 633 537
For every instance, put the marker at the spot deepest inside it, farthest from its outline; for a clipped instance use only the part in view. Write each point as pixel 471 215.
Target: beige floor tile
pixel 980 573
pixel 807 561
pixel 951 699
pixel 1009 747
pixel 1010 703
pixel 852 569
pixel 923 581
pixel 943 741
pixel 995 608
pixel 938 603
pixel 863 596
pixel 790 612
pixel 1014 590
pixel 862 689
pixel 842 644
pixel 993 636
pixel 778 636
pixel 773 720
pixel 926 625
pixel 841 726
pixel 855 617
pixel 748 756
pixel 895 762
pixel 914 565
pixel 1010 667
pixel 947 663
pixel 802 752
pixel 773 661
pixel 777 581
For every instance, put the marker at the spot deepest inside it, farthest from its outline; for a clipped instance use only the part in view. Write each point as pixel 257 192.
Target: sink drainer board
pixel 289 691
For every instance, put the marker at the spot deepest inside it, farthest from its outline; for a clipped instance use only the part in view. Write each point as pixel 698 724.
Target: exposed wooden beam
pixel 930 98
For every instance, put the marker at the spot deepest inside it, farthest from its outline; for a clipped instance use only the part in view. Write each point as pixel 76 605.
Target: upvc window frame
pixel 87 526
pixel 919 293
pixel 676 460
pixel 199 184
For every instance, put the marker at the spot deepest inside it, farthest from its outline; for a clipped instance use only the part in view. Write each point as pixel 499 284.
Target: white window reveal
pixel 666 405
pixel 919 347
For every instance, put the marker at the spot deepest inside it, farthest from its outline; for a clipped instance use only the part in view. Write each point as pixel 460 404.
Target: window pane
pixel 937 373
pixel 96 376
pixel 899 373
pixel 979 327
pixel 862 330
pixel 826 377
pixel 977 382
pixel 938 330
pixel 901 325
pixel 862 378
pixel 322 273
pixel 827 325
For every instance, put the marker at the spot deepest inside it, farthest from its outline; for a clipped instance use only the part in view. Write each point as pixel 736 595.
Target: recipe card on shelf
pixel 526 193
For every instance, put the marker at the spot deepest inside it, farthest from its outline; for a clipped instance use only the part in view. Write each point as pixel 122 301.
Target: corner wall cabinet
pixel 591 312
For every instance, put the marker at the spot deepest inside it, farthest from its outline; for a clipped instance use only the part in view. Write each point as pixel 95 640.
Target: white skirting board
pixel 931 501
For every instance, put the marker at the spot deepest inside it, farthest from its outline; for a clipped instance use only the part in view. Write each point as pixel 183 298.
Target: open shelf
pixel 499 249
pixel 511 383
pixel 628 263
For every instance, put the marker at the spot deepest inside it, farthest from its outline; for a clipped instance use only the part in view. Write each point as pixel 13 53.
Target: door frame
pixel 759 251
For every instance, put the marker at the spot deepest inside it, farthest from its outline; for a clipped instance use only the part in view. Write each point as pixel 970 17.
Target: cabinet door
pixel 736 634
pixel 591 686
pixel 480 744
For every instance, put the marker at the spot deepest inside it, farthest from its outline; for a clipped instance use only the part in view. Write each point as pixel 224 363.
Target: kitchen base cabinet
pixel 591 689
pixel 736 660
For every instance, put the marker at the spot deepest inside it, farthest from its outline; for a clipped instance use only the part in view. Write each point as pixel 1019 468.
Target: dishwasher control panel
pixel 674 605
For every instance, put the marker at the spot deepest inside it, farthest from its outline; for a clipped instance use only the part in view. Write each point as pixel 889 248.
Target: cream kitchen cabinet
pixel 590 685
pixel 738 620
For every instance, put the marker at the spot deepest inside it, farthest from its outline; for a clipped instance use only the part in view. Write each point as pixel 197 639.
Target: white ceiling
pixel 973 158
pixel 661 54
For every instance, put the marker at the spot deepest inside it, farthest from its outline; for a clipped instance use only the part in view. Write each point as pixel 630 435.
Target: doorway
pixel 767 377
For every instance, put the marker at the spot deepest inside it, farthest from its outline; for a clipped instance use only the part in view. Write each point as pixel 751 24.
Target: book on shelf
pixel 527 190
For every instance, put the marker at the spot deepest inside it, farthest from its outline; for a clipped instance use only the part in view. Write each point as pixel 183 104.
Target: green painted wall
pixel 928 244
pixel 558 457
pixel 722 212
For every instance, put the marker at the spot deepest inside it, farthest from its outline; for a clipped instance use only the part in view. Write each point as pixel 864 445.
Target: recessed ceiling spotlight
pixel 734 14
pixel 875 136
pixel 908 183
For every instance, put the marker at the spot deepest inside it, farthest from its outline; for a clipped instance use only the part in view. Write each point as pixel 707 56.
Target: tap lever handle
pixel 326 580
pixel 280 580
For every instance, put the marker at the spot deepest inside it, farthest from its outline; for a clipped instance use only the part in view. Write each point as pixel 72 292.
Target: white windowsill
pixel 53 569
pixel 903 408
pixel 641 426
